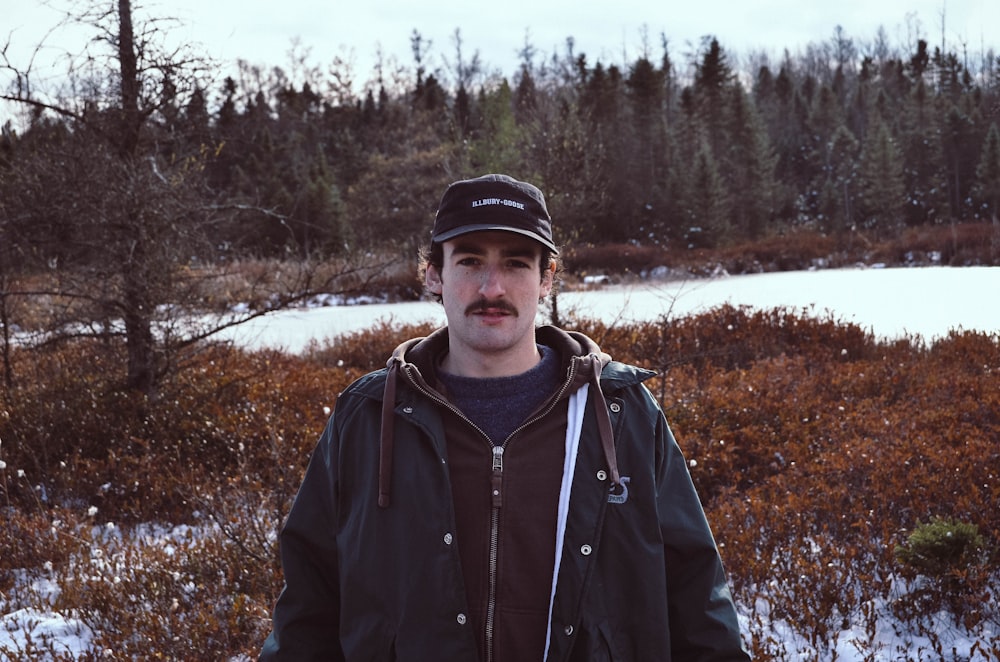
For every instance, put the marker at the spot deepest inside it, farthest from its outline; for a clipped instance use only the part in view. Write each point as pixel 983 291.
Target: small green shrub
pixel 942 546
pixel 953 575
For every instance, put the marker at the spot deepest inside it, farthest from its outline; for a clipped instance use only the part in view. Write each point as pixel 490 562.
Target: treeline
pixel 698 153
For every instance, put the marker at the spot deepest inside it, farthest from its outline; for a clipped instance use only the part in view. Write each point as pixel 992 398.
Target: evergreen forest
pixel 704 148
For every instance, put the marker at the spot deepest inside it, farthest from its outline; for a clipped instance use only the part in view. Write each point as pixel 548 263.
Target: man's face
pixel 490 285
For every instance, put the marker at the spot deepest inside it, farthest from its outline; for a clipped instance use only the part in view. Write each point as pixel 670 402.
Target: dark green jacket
pixel 371 571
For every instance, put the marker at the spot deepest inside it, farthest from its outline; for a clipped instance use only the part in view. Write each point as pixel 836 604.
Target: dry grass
pixel 956 245
pixel 49 300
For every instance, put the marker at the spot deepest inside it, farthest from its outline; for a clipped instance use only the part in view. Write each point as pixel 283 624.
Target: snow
pixel 29 626
pixel 67 635
pixel 887 640
pixel 23 627
pixel 890 303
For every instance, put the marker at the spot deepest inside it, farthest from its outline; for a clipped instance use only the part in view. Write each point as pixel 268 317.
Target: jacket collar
pixel 582 358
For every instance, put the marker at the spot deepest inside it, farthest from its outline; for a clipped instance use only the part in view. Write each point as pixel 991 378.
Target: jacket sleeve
pixel 703 621
pixel 307 612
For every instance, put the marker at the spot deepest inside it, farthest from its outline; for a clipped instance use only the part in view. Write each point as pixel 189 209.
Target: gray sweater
pixel 498 405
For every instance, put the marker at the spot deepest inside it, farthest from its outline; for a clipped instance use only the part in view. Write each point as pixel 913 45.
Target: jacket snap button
pixel 461 619
pixel 447 538
pixel 568 630
pixel 586 550
pixel 615 407
pixel 602 475
pixel 407 410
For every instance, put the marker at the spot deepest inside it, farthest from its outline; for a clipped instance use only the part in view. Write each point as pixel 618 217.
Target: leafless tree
pixel 108 199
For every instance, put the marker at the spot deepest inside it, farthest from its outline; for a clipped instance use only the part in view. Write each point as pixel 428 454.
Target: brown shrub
pixel 796 249
pixel 253 281
pixel 959 244
pixel 784 252
pixel 362 351
pixel 816 450
pixel 72 430
pixel 787 252
pixel 730 337
pixel 589 259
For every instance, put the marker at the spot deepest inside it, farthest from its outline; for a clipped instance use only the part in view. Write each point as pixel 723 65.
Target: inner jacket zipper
pixel 496 484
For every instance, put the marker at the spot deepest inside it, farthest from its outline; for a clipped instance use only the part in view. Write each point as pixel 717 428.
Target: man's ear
pixel 432 279
pixel 548 278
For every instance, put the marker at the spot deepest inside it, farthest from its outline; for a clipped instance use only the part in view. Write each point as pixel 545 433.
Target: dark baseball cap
pixel 493 202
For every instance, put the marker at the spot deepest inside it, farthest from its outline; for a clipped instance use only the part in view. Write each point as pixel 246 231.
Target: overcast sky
pixel 262 32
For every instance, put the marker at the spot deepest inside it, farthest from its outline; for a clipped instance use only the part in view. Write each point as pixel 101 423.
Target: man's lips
pixel 497 309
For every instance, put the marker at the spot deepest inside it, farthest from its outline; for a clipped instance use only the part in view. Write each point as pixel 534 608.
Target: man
pixel 499 492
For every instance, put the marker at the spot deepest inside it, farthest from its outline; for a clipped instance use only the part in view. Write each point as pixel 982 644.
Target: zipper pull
pixel 498 459
pixel 496 479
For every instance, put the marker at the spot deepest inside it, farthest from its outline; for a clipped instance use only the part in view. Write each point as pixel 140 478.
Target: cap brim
pixel 487 227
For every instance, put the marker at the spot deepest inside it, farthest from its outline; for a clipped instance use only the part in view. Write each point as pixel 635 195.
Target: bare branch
pixel 42 105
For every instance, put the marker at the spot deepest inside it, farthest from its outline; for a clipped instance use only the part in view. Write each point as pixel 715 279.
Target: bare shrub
pixel 817 451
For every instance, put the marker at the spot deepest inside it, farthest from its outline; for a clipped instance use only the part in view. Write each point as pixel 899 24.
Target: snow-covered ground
pixel 891 303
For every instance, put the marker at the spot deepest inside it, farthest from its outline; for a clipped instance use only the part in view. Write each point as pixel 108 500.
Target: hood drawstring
pixel 604 428
pixel 386 436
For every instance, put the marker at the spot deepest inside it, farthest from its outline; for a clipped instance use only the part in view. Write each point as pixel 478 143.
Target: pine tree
pixel 463 112
pixel 323 211
pixel 525 96
pixel 572 165
pixel 121 182
pixel 826 115
pixel 765 88
pixel 706 198
pixel 837 203
pixel 750 163
pixel 713 77
pixel 497 147
pixel 645 145
pixel 601 93
pixel 923 158
pixel 787 128
pixel 882 180
pixel 957 137
pixel 987 189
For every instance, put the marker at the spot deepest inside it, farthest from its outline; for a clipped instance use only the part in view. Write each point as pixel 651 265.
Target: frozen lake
pixel 922 301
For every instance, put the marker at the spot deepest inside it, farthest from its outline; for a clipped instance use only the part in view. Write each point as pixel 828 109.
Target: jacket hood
pixel 581 357
pixel 423 353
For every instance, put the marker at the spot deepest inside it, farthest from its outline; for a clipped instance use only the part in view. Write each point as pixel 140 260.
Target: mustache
pixel 483 305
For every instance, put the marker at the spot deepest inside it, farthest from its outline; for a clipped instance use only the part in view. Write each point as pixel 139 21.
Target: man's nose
pixel 492 283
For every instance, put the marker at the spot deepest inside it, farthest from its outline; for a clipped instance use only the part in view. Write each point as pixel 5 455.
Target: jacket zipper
pixel 496 481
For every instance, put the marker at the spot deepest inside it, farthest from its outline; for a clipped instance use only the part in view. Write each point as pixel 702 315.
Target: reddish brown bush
pixel 366 350
pixel 584 260
pixel 958 244
pixel 72 431
pixel 817 450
